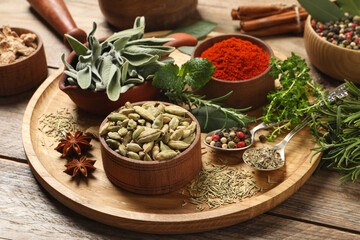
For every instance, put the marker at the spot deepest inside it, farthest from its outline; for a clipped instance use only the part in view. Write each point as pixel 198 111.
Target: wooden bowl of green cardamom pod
pixel 151 155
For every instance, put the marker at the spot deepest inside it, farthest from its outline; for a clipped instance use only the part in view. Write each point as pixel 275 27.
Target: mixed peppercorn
pixel 344 32
pixel 230 138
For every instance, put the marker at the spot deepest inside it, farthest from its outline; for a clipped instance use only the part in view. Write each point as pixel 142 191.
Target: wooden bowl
pixel 250 92
pixel 98 102
pixel 24 74
pixel 159 14
pixel 155 177
pixel 337 62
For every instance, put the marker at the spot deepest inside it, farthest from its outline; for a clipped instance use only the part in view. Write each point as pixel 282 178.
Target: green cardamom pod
pixel 147 157
pixel 177 134
pixel 179 145
pixel 114 117
pixel 173 109
pixel 164 147
pixel 137 132
pixel 174 123
pixel 122 131
pixel 114 128
pixel 114 135
pixel 126 111
pixel 155 150
pixel 131 124
pixel 105 129
pixel 148 146
pixel 113 144
pixel 158 122
pixel 133 147
pixel 144 113
pixel 148 135
pixel 189 139
pixel 133 155
pixel 134 116
pixel 165 155
pixel 122 150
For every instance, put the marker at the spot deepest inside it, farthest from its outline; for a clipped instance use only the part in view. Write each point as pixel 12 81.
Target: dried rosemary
pixel 221 185
pixel 263 158
pixel 57 124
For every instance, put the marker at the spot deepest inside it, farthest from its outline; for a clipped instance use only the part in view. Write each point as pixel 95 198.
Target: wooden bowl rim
pixel 242 37
pixel 338 48
pixel 38 48
pixel 141 162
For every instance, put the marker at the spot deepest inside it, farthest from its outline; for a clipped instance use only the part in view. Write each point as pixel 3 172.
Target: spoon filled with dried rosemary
pixel 271 158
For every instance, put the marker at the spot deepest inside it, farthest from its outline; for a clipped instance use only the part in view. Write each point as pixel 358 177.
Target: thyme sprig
pixel 290 102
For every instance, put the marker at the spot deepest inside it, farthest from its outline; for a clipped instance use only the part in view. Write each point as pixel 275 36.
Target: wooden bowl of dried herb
pixel 151 156
pixel 242 66
pixel 22 60
pixel 102 75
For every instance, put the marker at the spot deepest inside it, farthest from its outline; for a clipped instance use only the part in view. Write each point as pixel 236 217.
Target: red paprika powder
pixel 236 59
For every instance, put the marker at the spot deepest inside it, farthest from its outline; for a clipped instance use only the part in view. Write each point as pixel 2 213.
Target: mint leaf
pixel 197 72
pixel 166 78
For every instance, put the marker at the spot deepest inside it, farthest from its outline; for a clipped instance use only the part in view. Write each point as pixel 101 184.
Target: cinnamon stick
pixel 286 17
pixel 251 10
pixel 276 30
pixel 237 16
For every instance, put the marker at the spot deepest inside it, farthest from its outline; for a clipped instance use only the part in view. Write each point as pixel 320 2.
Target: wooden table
pixel 320 209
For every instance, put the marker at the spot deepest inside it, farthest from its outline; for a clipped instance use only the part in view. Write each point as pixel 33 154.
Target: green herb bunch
pixel 290 102
pixel 195 73
pixel 337 129
pixel 119 63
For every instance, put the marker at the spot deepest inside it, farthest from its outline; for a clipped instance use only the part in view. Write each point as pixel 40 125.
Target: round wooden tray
pixel 98 199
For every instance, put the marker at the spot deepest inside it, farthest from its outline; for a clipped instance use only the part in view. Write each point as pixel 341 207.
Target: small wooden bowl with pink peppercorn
pixel 248 92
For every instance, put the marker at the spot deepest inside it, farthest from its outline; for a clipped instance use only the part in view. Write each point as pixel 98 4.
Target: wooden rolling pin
pixel 58 16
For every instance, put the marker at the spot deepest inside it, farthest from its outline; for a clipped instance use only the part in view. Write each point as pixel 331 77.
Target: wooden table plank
pixel 27 211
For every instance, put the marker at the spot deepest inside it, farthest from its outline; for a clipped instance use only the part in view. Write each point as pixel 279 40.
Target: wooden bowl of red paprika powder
pixel 242 66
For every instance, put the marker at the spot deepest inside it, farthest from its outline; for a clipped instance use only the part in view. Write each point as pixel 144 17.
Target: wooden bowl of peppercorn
pixel 242 66
pixel 335 61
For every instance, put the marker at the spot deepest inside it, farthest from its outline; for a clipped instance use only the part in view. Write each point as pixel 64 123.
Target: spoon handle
pixel 294 131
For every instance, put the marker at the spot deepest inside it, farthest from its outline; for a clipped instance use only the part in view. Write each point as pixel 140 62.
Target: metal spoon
pixel 338 92
pixel 252 134
pixel 279 148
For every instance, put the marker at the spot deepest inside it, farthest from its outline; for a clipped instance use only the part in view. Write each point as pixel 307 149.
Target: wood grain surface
pixel 321 209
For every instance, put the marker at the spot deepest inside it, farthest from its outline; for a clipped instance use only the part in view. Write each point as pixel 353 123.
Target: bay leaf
pixel 216 119
pixel 198 29
pixel 350 6
pixel 322 10
pixel 186 49
pixel 84 78
pixel 113 88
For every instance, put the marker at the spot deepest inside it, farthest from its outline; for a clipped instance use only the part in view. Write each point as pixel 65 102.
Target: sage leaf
pixel 134 33
pixel 186 49
pixel 85 58
pixel 322 10
pixel 350 6
pixel 67 65
pixel 96 48
pixel 120 43
pixel 140 59
pixel 71 74
pixel 113 87
pixel 126 87
pixel 199 29
pixel 105 69
pixel 152 50
pixel 124 72
pixel 80 66
pixel 84 77
pixel 92 32
pixel 151 68
pixel 215 119
pixel 133 80
pixel 150 41
pixel 77 46
pixel 71 81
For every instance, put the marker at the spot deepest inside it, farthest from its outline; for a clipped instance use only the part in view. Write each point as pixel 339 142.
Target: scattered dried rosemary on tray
pixel 57 124
pixel 220 185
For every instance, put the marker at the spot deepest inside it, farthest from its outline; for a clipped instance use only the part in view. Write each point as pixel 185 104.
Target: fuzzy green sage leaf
pixel 77 46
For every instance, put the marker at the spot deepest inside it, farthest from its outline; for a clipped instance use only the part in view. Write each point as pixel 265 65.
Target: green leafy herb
pixel 199 29
pixel 195 73
pixel 186 49
pixel 350 6
pixel 322 10
pixel 290 102
pixel 337 129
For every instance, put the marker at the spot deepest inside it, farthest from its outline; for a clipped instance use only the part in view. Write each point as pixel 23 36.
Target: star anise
pixel 84 166
pixel 74 145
